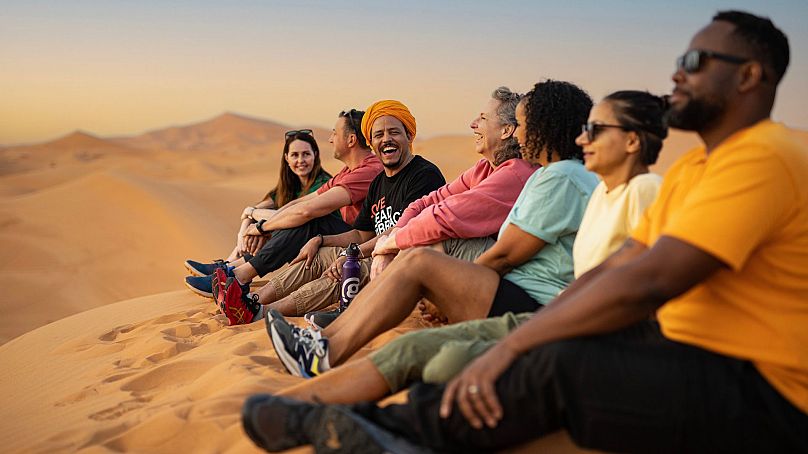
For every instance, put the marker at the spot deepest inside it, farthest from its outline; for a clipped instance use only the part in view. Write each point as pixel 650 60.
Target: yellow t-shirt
pixel 747 205
pixel 609 219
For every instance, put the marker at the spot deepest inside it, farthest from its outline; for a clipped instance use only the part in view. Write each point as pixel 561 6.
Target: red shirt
pixel 356 182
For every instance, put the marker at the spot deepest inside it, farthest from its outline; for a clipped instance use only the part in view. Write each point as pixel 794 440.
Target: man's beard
pixel 697 114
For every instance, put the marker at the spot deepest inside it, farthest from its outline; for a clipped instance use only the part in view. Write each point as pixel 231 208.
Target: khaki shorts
pixel 467 249
pixel 436 355
pixel 311 292
pixel 308 290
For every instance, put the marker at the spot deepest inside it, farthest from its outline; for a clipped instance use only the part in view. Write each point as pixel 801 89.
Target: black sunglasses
pixel 294 132
pixel 349 114
pixel 592 129
pixel 693 60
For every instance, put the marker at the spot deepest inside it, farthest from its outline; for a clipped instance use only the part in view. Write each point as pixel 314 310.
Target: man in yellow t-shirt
pixel 721 257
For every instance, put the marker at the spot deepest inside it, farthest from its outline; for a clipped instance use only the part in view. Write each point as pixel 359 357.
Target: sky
pixel 116 67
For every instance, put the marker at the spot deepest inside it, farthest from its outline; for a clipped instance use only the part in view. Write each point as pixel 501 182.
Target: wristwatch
pixel 260 224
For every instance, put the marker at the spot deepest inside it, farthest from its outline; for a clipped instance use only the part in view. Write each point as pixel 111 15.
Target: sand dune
pixel 106 236
pixel 162 373
pixel 226 132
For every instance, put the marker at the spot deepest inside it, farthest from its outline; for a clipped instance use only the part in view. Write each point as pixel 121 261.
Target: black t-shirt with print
pixel 389 196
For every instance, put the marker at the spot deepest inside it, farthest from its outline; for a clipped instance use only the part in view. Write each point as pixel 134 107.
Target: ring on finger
pixel 473 389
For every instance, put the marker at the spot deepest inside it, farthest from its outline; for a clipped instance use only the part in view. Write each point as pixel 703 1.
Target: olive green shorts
pixel 436 355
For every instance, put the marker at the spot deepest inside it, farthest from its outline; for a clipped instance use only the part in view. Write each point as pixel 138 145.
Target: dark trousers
pixel 284 245
pixel 630 391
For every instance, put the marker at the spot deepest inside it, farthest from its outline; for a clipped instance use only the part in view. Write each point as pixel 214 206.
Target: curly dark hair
pixel 555 111
pixel 643 113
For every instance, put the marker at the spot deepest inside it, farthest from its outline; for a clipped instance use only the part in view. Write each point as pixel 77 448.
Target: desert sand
pixel 103 349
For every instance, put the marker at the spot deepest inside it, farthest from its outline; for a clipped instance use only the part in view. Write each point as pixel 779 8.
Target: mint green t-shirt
pixel 550 207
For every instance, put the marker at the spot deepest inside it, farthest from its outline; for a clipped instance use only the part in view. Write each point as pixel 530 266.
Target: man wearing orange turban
pixel 389 128
pixel 392 108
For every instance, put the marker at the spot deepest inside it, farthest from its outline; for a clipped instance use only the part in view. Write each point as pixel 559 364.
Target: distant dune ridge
pixel 88 226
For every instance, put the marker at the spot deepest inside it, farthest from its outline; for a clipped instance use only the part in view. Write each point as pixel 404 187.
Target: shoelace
pixel 306 340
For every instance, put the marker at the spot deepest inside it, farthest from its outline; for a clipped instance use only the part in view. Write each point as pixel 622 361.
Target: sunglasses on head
pixel 693 60
pixel 349 114
pixel 294 132
pixel 592 129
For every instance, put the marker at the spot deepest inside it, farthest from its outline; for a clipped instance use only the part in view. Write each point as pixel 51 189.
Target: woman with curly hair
pixel 530 263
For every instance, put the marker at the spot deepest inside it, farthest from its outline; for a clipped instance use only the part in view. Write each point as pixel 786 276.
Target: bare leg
pixel 237 262
pixel 245 272
pixel 235 255
pixel 460 289
pixel 294 289
pixel 357 381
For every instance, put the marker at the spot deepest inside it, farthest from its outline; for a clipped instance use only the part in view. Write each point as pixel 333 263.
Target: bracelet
pixel 260 224
pixel 320 236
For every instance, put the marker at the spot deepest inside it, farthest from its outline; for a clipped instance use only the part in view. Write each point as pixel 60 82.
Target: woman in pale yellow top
pixel 621 139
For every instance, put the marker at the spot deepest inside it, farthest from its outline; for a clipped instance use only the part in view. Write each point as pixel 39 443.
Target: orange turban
pixel 388 107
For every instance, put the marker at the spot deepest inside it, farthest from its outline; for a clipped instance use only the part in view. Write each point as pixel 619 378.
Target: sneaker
pixel 204 269
pixel 304 352
pixel 201 285
pixel 277 423
pixel 273 314
pixel 321 319
pixel 234 299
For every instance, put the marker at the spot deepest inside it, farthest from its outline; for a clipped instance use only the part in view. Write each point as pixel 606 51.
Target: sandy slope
pixel 162 373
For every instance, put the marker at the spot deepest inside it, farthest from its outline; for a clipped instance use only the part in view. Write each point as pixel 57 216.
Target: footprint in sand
pixel 121 409
pixel 88 391
pixel 112 335
pixel 169 375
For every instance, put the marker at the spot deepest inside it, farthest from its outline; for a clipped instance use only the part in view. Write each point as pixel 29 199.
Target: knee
pixel 419 256
pixel 558 358
pixel 450 361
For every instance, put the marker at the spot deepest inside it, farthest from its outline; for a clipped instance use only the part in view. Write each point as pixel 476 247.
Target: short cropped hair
pixel 767 43
pixel 353 125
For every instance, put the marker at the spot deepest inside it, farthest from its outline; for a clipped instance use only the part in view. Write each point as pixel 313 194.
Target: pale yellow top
pixel 745 204
pixel 609 219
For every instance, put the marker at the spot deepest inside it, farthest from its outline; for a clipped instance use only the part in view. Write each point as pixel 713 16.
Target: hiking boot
pixel 204 269
pixel 303 351
pixel 321 319
pixel 276 424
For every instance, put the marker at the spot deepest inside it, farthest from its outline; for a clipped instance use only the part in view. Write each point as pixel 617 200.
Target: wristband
pixel 260 224
pixel 320 236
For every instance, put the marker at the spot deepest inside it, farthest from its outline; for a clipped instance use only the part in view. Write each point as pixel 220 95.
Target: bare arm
pixel 618 296
pixel 352 236
pixel 513 248
pixel 615 296
pixel 307 208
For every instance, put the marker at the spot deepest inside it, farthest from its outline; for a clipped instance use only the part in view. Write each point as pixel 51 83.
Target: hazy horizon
pixel 121 69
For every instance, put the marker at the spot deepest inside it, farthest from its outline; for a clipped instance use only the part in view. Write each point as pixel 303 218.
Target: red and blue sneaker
pixel 233 298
